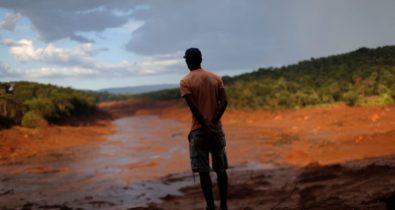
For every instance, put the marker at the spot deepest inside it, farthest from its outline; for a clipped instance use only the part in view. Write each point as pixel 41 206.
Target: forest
pixel 362 77
pixel 32 104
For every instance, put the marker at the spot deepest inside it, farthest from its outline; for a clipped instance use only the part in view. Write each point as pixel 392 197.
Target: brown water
pixel 116 174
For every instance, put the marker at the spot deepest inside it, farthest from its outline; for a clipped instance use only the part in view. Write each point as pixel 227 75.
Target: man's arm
pixel 195 111
pixel 222 104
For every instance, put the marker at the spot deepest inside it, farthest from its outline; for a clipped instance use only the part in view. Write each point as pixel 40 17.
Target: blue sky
pixel 101 43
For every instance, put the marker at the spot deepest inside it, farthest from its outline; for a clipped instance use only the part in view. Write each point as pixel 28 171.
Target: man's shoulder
pixel 185 78
pixel 212 74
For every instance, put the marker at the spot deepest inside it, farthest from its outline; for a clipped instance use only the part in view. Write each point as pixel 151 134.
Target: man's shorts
pixel 200 148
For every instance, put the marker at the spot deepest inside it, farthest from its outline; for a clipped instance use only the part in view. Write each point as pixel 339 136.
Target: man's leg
pixel 220 164
pixel 222 181
pixel 199 154
pixel 205 183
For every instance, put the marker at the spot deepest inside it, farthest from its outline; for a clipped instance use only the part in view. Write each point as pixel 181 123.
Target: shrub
pixel 351 98
pixel 33 119
pixel 43 106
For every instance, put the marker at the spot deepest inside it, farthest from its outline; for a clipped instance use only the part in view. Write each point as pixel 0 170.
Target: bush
pixel 33 119
pixel 43 106
pixel 351 98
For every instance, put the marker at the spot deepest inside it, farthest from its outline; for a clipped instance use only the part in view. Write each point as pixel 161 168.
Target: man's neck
pixel 194 68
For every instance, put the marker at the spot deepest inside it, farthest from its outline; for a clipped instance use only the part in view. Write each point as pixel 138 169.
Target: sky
pixel 95 44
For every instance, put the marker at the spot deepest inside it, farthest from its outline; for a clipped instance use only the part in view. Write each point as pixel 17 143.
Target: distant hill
pixel 138 89
pixel 362 77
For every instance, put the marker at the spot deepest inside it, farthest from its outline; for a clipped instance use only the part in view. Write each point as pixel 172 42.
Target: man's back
pixel 203 86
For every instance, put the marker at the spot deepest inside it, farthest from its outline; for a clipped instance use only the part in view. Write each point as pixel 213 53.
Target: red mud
pixel 320 138
pixel 324 135
pixel 347 150
pixel 357 185
pixel 19 143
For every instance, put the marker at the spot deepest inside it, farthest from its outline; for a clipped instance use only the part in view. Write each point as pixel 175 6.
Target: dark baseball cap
pixel 193 53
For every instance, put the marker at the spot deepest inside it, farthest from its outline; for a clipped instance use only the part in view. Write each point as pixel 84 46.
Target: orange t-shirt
pixel 203 85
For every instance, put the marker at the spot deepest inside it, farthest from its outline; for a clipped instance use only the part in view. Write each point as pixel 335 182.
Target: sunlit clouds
pixel 24 50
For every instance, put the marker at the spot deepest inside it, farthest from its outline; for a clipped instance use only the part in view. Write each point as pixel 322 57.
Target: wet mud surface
pixel 324 158
pixel 355 185
pixel 121 172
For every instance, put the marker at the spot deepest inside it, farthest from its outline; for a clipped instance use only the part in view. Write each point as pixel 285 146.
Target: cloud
pixel 5 70
pixel 254 33
pixel 53 72
pixel 45 72
pixel 54 20
pixel 80 62
pixel 233 35
pixel 9 22
pixel 24 50
pixel 148 66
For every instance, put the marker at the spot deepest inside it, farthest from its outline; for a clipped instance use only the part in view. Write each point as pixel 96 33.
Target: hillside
pixel 33 104
pixel 362 77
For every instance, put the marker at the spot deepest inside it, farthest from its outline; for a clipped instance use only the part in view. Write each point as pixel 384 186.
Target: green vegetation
pixel 363 77
pixel 32 104
pixel 33 119
pixel 352 78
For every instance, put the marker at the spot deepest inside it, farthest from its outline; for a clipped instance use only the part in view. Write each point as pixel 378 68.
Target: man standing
pixel 205 95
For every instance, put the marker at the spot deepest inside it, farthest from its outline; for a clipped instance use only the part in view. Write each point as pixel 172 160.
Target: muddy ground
pixel 355 185
pixel 314 158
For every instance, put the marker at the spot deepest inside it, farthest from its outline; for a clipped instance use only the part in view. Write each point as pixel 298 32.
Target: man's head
pixel 193 58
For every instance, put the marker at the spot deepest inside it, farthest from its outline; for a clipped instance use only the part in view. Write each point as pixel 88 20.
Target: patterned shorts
pixel 200 148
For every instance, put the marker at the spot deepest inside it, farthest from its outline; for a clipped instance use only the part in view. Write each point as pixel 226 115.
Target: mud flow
pixel 146 160
pixel 118 172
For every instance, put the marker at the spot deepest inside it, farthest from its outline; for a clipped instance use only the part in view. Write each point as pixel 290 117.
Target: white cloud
pixel 24 50
pixel 46 72
pixel 80 61
pixel 150 65
pixel 9 22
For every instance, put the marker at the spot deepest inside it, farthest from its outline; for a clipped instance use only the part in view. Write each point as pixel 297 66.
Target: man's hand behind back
pixel 213 136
